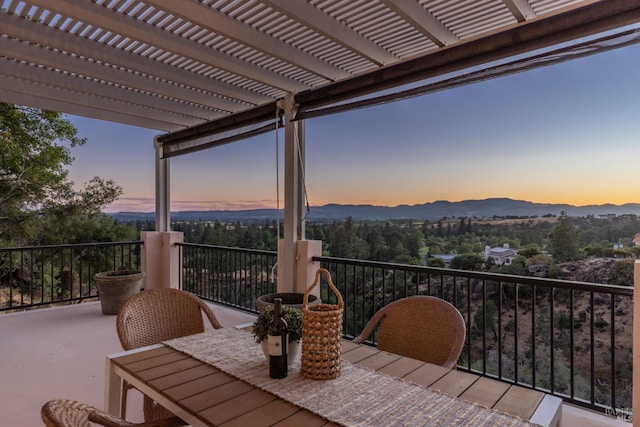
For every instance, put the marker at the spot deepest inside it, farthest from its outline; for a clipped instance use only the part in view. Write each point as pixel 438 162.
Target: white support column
pixel 306 266
pixel 161 258
pixel 636 346
pixel 293 198
pixel 163 210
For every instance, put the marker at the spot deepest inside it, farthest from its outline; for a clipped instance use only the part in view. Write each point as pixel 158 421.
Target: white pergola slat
pixel 180 64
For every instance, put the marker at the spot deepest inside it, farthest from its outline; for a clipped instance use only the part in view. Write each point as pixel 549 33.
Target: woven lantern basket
pixel 321 335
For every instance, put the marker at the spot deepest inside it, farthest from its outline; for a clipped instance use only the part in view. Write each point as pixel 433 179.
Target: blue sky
pixel 567 133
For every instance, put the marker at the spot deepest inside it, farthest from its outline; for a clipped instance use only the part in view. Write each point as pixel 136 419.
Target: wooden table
pixel 202 395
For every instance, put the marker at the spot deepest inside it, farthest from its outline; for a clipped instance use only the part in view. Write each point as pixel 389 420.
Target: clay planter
pixel 293 317
pixel 114 287
pixel 289 299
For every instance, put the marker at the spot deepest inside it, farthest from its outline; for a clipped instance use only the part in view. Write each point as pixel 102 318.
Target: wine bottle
pixel 278 338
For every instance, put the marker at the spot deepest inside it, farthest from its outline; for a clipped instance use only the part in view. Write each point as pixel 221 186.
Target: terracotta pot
pixel 289 299
pixel 115 287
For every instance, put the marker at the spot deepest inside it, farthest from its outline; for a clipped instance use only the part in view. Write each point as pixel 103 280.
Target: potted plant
pixel 114 287
pixel 289 299
pixel 292 316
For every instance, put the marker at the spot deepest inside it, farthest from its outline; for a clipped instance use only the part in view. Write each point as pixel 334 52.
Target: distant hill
pixel 487 208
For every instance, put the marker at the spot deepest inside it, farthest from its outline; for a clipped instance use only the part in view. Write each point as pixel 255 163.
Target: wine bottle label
pixel 275 345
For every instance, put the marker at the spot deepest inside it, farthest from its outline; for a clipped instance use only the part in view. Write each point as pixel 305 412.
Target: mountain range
pixel 486 208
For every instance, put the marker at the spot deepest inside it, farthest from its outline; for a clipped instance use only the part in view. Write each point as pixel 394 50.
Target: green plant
pixel 292 316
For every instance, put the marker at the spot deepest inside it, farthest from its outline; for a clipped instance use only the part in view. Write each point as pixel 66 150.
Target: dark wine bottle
pixel 278 338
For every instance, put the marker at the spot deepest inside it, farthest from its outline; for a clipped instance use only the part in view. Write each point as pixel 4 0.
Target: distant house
pixel 636 239
pixel 607 216
pixel 446 258
pixel 500 255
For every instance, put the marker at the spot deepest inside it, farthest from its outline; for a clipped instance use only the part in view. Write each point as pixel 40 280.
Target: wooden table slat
pixel 155 361
pixel 265 415
pixel 237 406
pixel 200 385
pixel 216 395
pixel 454 383
pixel 519 401
pixel 177 378
pixel 359 353
pixel 427 374
pixel 485 391
pixel 348 346
pixel 302 418
pixel 194 387
pixel 169 368
pixel 402 367
pixel 379 360
pixel 137 356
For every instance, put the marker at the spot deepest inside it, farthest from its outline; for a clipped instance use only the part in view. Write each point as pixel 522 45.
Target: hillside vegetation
pixel 547 246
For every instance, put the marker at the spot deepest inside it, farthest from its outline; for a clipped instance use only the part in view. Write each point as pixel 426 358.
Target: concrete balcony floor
pixel 60 353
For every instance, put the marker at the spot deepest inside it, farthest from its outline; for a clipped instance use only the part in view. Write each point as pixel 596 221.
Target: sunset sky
pixel 568 133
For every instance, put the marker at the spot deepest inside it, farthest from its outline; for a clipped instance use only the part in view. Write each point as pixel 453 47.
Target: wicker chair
pixel 70 413
pixel 421 327
pixel 156 315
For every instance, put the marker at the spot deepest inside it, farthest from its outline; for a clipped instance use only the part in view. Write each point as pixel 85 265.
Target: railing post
pixel 161 258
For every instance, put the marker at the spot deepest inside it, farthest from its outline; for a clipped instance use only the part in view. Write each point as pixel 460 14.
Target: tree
pixel 467 262
pixel 413 241
pixel 564 240
pixel 38 202
pixel 529 251
pixel 436 262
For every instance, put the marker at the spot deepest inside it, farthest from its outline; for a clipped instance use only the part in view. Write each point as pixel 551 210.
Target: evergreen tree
pixel 564 240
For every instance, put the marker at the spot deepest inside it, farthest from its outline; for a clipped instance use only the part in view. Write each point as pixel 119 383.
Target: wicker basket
pixel 321 335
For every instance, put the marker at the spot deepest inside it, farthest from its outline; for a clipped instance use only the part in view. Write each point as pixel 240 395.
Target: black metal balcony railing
pixel 570 339
pixel 43 275
pixel 230 276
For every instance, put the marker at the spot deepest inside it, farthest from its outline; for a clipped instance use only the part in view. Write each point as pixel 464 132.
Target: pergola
pixel 209 72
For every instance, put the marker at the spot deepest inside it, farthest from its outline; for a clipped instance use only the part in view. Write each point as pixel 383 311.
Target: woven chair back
pixel 421 327
pixel 156 315
pixel 71 413
pixel 62 413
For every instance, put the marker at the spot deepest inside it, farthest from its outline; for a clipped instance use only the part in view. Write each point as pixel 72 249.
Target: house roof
pixel 200 67
pixel 501 251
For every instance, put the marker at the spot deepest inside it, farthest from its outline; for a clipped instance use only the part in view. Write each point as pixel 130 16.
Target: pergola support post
pixel 293 198
pixel 636 346
pixel 296 269
pixel 163 208
pixel 161 259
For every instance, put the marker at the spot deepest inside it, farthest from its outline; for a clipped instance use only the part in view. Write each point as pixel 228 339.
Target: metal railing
pixel 36 276
pixel 229 276
pixel 569 339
